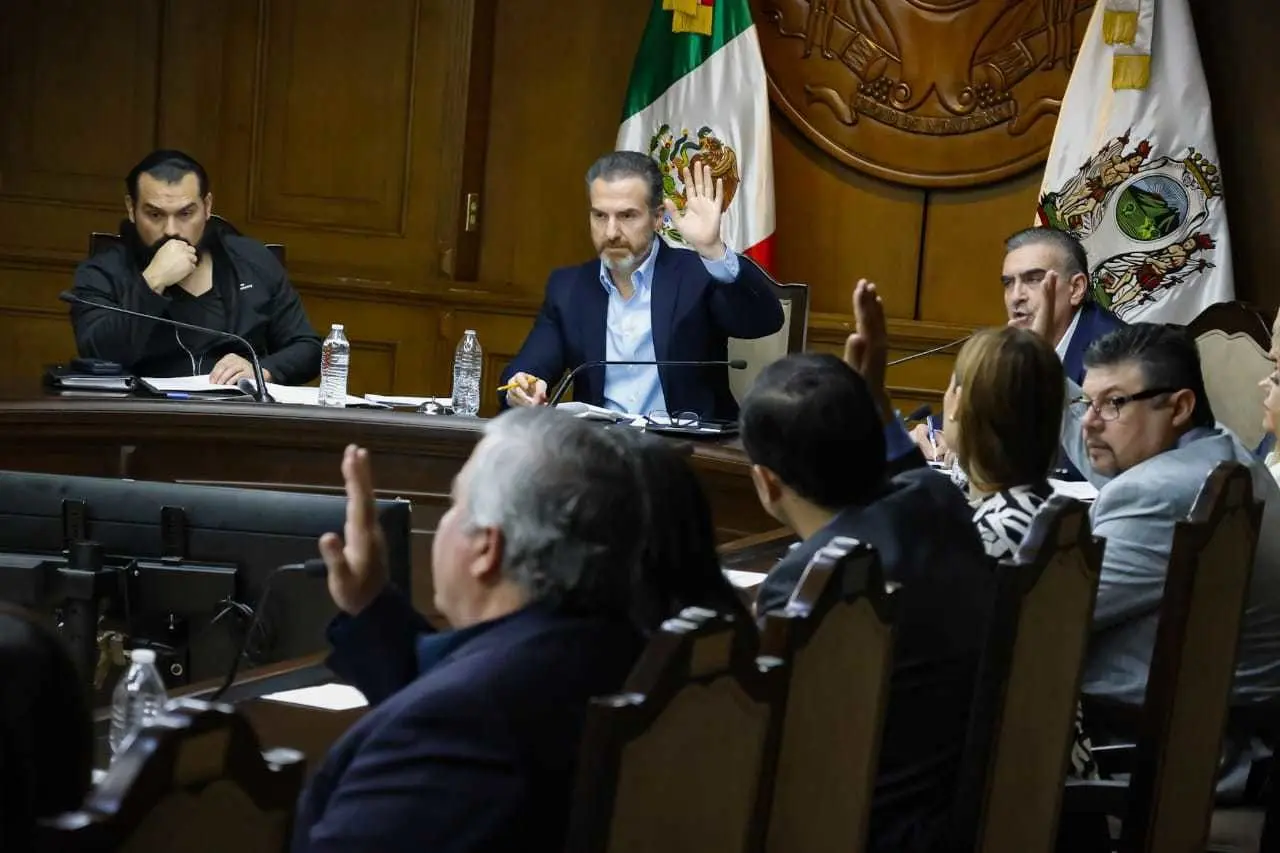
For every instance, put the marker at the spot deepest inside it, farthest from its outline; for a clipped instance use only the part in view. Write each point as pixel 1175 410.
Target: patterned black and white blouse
pixel 1003 520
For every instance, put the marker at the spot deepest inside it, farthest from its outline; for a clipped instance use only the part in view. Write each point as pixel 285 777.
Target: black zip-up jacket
pixel 261 306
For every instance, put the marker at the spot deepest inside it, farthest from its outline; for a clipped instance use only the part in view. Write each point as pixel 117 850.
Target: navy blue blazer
pixel 472 741
pixel 922 528
pixel 693 317
pixel 1095 322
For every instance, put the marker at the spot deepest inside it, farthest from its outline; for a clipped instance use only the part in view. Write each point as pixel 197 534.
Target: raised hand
pixel 357 567
pixel 699 222
pixel 867 349
pixel 1043 323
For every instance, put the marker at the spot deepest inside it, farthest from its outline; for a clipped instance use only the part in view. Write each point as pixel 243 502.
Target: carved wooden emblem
pixel 933 93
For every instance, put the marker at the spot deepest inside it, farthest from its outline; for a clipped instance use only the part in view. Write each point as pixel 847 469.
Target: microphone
pixel 314 567
pixel 732 364
pixel 259 393
pixel 942 348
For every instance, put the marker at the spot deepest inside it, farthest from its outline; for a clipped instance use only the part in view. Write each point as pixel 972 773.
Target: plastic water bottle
pixel 138 697
pixel 468 361
pixel 335 359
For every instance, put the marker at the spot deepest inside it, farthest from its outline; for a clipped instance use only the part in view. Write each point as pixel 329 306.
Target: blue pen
pixel 933 440
pixel 177 395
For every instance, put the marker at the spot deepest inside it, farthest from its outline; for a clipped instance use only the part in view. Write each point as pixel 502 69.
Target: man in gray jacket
pixel 1142 430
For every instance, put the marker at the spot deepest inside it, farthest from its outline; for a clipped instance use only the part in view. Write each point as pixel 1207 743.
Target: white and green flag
pixel 1134 172
pixel 698 95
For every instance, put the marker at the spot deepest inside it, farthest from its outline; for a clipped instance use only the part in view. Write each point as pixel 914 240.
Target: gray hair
pixel 568 502
pixel 1075 260
pixel 618 165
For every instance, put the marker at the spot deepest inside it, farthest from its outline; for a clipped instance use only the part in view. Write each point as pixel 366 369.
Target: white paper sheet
pixel 744 580
pixel 596 413
pixel 185 384
pixel 1081 491
pixel 296 395
pixel 326 697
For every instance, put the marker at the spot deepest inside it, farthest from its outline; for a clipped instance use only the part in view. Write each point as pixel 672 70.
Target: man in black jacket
pixel 176 262
pixel 813 430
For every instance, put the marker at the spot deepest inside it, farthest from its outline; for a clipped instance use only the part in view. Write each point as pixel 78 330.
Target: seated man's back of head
pixel 817 447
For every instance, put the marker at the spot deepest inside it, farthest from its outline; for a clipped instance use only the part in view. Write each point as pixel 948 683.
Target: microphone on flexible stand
pixel 732 364
pixel 258 393
pixel 916 355
pixel 314 567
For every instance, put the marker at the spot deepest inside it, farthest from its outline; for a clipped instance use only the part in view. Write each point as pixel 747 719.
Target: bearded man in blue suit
pixel 642 300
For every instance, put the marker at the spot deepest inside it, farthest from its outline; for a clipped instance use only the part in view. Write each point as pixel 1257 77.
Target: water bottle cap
pixel 336 327
pixel 470 332
pixel 143 656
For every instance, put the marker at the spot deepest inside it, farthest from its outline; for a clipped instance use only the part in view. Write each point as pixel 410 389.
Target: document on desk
pixel 187 385
pixel 326 697
pixel 597 413
pixel 295 395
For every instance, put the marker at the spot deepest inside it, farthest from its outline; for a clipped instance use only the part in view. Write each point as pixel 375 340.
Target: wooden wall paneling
pixel 500 324
pixel 835 226
pixel 332 134
pixel 190 104
pixel 964 249
pixel 392 334
pixel 332 114
pixel 72 70
pixel 559 77
pixel 466 109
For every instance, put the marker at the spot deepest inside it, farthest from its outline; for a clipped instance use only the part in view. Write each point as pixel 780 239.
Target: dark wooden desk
pixel 294 447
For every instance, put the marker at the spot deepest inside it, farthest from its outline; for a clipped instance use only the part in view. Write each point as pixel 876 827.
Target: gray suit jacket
pixel 1136 512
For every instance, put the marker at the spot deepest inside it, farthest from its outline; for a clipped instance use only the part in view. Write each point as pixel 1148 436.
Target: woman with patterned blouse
pixel 1002 415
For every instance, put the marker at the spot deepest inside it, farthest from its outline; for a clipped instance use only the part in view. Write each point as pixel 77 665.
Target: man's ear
pixel 768 485
pixel 1079 287
pixel 1183 404
pixel 208 204
pixel 485 564
pixel 128 208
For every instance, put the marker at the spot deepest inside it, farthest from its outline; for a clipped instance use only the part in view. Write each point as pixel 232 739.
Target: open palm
pixel 699 222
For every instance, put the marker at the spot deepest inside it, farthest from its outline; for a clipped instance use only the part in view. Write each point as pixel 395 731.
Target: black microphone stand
pixel 259 394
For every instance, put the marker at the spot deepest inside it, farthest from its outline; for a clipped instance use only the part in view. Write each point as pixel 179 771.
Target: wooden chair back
pixel 1024 711
pixel 836 634
pixel 791 338
pixel 196 780
pixel 1233 339
pixel 679 760
pixel 1175 765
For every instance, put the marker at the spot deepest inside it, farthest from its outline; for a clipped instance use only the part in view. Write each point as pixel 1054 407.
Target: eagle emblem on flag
pixel 1142 218
pixel 674 154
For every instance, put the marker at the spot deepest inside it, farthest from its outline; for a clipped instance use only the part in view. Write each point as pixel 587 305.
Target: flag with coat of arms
pixel 1133 170
pixel 698 95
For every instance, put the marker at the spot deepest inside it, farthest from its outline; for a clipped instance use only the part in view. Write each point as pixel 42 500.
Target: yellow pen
pixel 510 385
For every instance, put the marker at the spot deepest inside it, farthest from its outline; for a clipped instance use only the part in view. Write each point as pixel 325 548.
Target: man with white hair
pixel 470 745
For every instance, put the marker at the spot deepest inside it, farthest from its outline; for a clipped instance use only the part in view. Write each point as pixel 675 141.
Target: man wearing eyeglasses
pixel 1141 428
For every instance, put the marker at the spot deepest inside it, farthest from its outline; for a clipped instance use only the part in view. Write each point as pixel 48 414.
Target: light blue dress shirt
pixel 636 389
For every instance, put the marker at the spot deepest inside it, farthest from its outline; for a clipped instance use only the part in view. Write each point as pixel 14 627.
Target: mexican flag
pixel 698 95
pixel 1133 170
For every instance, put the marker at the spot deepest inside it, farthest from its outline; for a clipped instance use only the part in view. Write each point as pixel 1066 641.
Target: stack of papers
pixel 296 395
pixel 597 413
